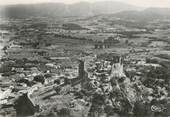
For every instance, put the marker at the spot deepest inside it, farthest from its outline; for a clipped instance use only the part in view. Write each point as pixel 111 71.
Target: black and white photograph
pixel 84 58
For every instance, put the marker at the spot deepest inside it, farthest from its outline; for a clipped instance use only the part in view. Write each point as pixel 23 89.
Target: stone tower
pixel 117 69
pixel 81 69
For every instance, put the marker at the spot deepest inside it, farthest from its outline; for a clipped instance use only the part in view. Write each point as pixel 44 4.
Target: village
pixel 51 70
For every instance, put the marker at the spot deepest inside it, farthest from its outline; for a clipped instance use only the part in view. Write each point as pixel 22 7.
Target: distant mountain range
pixel 64 10
pixel 147 14
pixel 54 10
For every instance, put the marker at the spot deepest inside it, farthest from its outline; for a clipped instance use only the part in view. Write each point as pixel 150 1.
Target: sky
pixel 143 3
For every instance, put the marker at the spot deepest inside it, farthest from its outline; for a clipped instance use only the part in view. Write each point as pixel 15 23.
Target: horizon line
pixel 91 2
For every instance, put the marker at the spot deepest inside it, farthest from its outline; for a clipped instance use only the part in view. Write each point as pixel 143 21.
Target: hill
pixel 145 15
pixel 63 10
